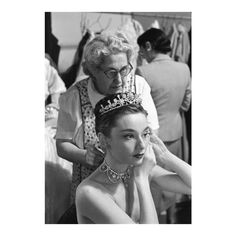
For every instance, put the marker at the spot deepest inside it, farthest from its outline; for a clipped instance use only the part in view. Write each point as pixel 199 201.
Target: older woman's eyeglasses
pixel 124 71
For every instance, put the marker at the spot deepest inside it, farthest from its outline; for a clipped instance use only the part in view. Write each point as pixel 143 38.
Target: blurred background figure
pixel 170 89
pixel 57 170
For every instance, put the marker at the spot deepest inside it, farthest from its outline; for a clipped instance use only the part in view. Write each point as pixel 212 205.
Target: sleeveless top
pixel 80 172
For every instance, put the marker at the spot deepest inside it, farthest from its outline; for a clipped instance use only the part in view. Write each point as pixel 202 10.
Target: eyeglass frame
pixel 118 72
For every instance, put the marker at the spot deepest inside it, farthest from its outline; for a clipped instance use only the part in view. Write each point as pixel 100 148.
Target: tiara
pixel 120 100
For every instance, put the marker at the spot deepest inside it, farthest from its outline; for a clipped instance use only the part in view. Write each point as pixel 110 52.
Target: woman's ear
pixel 104 142
pixel 148 46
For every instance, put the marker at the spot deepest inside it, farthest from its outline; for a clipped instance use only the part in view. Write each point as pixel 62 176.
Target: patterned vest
pixel 81 172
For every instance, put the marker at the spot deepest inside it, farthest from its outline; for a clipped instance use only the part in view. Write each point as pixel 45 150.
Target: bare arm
pixel 100 207
pixel 70 152
pixel 97 205
pixel 55 98
pixel 168 181
pixel 69 119
pixel 148 214
pixel 179 180
pixel 92 157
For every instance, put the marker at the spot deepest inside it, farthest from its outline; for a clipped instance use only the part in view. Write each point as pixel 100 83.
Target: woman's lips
pixel 139 156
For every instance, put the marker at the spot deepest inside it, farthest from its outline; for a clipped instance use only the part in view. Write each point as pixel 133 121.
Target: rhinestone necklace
pixel 112 175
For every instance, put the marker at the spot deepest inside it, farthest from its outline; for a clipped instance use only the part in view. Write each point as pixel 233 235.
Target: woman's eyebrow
pixel 112 68
pixel 127 130
pixel 132 130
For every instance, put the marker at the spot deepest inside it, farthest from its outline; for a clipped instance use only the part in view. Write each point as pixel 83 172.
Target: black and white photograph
pixel 118 118
pixel 117 113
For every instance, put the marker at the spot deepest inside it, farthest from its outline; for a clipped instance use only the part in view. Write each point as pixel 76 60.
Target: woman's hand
pixel 149 161
pixel 94 156
pixel 160 150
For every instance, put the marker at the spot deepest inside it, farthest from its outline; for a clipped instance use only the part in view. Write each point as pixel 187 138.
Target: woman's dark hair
pixel 158 39
pixel 105 122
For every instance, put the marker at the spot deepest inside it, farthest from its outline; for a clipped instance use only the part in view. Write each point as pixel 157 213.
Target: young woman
pixel 119 191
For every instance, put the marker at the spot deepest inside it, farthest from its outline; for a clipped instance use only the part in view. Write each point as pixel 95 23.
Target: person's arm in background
pixel 69 119
pixel 187 96
pixel 54 87
pixel 55 98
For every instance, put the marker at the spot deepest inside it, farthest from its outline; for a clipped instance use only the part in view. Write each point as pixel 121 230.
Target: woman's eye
pixel 112 74
pixel 123 71
pixel 129 136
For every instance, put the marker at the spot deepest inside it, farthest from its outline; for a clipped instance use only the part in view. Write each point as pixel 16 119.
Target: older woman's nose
pixel 118 79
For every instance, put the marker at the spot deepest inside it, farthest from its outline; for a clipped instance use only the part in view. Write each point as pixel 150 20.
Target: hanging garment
pixel 155 24
pixel 173 40
pixel 58 174
pixel 138 27
pixel 180 43
pixel 182 50
pixel 132 29
pixel 58 171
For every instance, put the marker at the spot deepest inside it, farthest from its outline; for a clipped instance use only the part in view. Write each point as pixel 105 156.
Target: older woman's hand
pixel 94 156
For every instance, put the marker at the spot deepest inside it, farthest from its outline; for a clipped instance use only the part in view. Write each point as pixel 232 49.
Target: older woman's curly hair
pixel 104 45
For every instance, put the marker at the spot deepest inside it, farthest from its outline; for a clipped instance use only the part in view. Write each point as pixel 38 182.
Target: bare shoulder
pixel 91 197
pixel 89 190
pixel 86 188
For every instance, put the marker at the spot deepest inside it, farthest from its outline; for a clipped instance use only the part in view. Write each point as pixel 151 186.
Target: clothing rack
pixel 153 14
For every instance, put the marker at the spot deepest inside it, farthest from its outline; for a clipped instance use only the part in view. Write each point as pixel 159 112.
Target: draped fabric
pixel 57 170
pixel 180 43
pixel 57 180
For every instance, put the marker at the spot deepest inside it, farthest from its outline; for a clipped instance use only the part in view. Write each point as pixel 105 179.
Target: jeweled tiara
pixel 120 100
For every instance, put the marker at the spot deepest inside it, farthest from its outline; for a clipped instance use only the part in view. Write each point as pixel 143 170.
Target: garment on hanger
pixel 183 45
pixel 180 43
pixel 155 24
pixel 138 27
pixel 173 40
pixel 132 29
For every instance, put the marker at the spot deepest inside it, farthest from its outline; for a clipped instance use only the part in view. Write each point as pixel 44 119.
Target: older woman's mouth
pixel 118 88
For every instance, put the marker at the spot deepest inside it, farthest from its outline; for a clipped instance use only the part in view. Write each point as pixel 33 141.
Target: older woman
pixel 108 64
